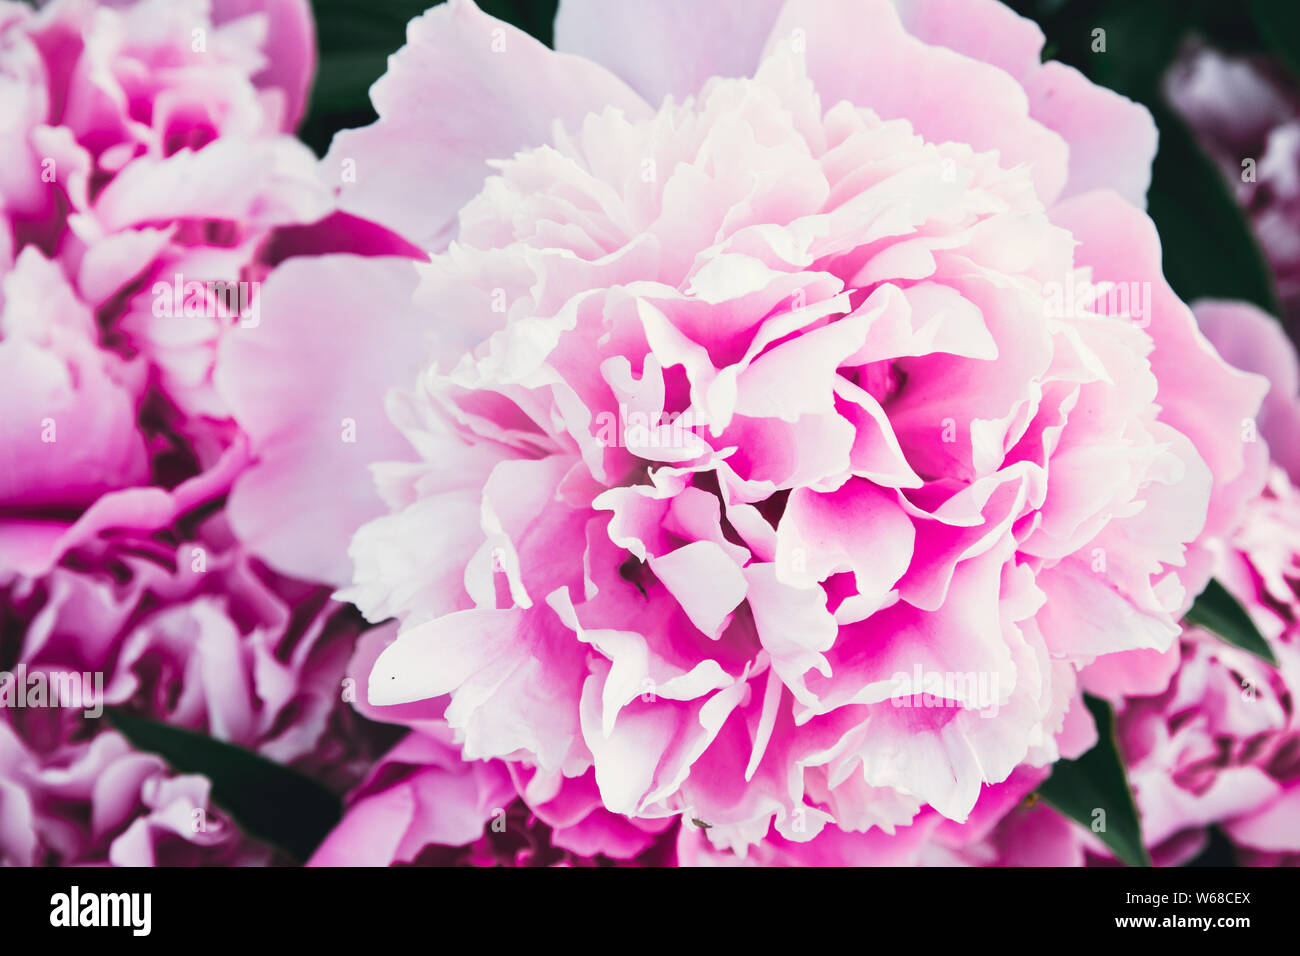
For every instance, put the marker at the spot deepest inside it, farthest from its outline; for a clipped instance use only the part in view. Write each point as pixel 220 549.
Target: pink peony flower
pixel 102 802
pixel 147 160
pixel 1220 746
pixel 148 172
pixel 768 440
pixel 1246 113
pixel 173 623
pixel 70 431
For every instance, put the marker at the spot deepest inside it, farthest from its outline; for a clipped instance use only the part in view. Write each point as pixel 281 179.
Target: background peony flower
pixel 1220 746
pixel 184 629
pixel 892 421
pixel 139 812
pixel 147 144
pixel 1246 108
pixel 147 150
pixel 58 384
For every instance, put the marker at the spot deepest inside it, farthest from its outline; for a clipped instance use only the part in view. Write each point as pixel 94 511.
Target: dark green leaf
pixel 1278 22
pixel 1209 249
pixel 534 17
pixel 1139 39
pixel 1221 614
pixel 1097 781
pixel 1219 850
pixel 269 801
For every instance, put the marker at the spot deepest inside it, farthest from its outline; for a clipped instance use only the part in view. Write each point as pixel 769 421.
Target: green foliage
pixel 1218 612
pixel 269 801
pixel 1094 791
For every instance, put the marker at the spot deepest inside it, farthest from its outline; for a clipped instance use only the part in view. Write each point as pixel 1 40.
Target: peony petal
pixel 458 66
